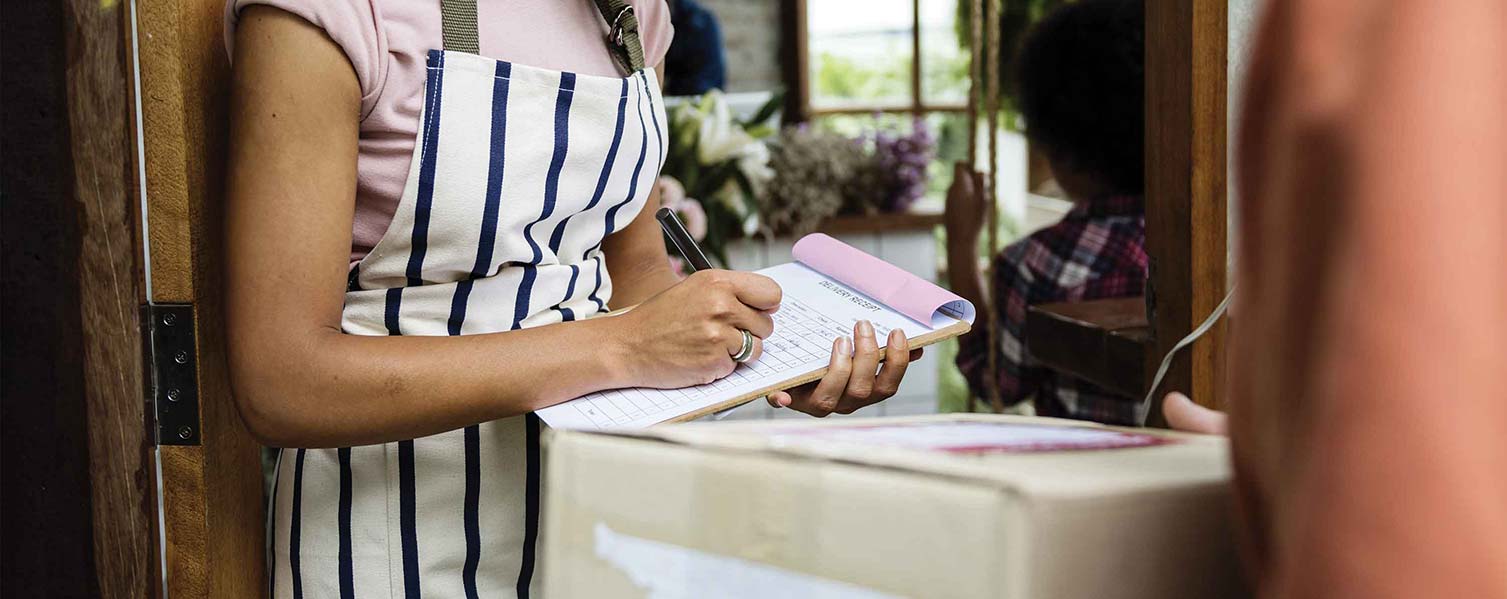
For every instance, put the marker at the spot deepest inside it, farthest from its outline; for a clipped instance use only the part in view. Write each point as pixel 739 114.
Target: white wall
pixel 751 36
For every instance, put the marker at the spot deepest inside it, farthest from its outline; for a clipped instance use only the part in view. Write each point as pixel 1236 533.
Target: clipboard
pixel 827 289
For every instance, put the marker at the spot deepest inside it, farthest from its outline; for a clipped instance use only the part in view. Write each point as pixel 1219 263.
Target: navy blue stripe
pixel 458 303
pixel 420 233
pixel 617 141
pixel 531 509
pixel 347 571
pixel 277 479
pixel 566 314
pixel 597 286
pixel 596 197
pixel 494 169
pixel 559 234
pixel 427 159
pixel 473 496
pixel 551 189
pixel 390 315
pixel 408 519
pixel 612 153
pixel 488 240
pixel 659 140
pixel 294 527
pixel 643 146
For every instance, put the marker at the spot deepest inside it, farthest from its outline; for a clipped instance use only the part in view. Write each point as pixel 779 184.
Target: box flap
pixel 1034 456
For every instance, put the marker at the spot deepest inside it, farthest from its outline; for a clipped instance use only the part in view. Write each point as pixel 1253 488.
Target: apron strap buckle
pixel 625 20
pixel 622 36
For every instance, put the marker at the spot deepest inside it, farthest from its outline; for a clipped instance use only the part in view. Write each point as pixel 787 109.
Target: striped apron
pixel 518 174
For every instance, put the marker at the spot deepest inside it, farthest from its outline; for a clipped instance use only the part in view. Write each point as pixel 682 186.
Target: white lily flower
pixel 719 137
pixel 754 162
pixel 686 120
pixel 730 196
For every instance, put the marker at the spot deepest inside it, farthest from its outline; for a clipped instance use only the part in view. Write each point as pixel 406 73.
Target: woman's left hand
pixel 851 381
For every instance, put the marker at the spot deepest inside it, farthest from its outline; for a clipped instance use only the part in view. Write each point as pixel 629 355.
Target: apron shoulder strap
pixel 622 34
pixel 458 20
pixel 458 23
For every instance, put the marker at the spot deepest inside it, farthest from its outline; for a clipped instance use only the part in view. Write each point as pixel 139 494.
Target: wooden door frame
pixel 122 470
pixel 1186 222
pixel 212 496
pixel 77 520
pixel 125 118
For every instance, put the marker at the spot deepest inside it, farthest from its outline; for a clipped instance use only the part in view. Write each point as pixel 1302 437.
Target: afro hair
pixel 1081 86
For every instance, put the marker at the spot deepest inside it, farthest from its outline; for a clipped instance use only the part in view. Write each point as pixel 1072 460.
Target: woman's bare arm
pixel 300 381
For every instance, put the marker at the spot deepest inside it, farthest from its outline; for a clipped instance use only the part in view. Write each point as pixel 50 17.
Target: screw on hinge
pixel 169 319
pixel 185 432
pixel 174 394
pixel 181 357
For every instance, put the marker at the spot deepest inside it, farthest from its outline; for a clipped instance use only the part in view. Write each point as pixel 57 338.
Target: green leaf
pixel 766 111
pixel 750 200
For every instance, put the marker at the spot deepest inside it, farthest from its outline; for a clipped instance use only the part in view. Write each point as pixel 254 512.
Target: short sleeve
pixel 654 29
pixel 351 24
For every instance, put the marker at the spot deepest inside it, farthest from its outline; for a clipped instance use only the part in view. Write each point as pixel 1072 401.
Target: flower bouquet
pixel 716 169
pixel 820 173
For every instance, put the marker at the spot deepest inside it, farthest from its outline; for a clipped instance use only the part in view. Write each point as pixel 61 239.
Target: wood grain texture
pixel 1101 341
pixel 1185 188
pixel 213 496
pixel 119 443
pixel 793 61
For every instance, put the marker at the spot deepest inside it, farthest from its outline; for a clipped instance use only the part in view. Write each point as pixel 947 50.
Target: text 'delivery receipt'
pixel 666 571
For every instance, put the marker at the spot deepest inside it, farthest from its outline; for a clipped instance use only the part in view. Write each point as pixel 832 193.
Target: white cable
pixel 141 161
pixel 1144 409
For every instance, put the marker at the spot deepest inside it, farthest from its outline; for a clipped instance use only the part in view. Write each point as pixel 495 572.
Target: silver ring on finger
pixel 747 350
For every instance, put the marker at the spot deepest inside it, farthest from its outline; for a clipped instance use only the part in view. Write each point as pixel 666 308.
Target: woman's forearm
pixel 631 286
pixel 325 388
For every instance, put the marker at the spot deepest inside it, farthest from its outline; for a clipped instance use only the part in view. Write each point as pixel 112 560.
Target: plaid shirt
pixel 1095 252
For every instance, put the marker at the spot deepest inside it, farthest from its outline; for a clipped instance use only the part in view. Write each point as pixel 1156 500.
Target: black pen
pixel 695 260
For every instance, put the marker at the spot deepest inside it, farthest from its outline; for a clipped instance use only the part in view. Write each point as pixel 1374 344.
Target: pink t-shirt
pixel 387 42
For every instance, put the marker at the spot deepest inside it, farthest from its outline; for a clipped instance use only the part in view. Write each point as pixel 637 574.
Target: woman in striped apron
pixel 524 200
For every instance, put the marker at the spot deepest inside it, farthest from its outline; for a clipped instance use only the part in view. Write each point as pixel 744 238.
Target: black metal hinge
pixel 172 374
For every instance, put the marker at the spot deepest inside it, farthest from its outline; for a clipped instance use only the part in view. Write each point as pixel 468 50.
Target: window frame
pixel 797 74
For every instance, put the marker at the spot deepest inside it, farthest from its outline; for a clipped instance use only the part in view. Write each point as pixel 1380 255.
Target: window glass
pixel 944 64
pixel 859 53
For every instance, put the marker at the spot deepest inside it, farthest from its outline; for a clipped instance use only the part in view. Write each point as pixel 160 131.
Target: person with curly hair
pixel 1080 86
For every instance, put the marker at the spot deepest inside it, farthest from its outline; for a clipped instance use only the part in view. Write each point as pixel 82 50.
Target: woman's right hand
pixel 688 334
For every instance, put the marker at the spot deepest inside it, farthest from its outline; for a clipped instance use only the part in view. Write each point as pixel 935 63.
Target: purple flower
pixel 903 160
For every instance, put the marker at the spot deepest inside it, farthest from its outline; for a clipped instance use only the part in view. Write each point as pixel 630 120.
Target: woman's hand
pixel 851 382
pixel 688 334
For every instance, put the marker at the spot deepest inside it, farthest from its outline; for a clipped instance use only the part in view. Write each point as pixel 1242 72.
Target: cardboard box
pixel 932 506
